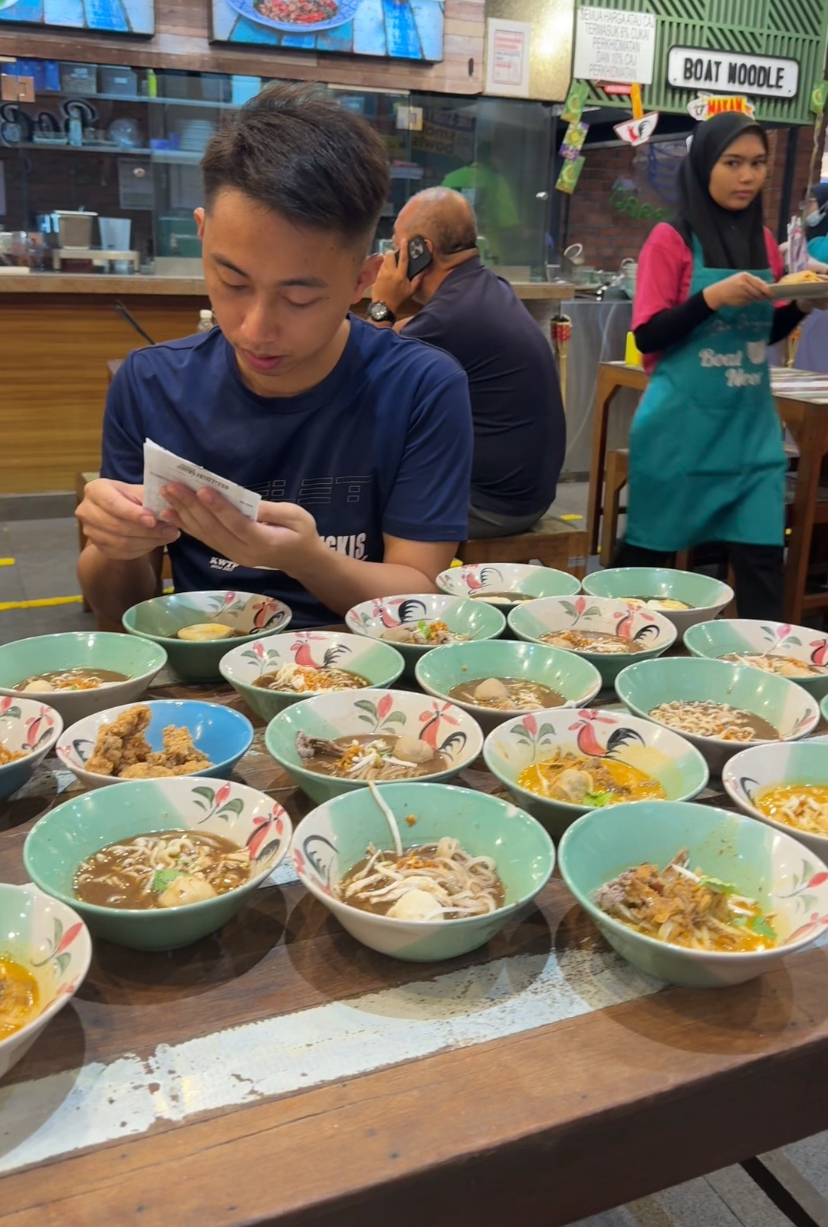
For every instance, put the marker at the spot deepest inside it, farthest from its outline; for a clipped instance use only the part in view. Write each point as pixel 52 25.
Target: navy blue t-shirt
pixel 382 445
pixel 519 424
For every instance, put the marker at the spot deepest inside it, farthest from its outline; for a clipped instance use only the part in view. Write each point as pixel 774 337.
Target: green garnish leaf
pixel 717 885
pixel 424 628
pixel 597 799
pixel 762 927
pixel 164 878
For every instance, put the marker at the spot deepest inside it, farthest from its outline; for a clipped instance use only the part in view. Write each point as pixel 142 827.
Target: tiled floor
pixel 45 556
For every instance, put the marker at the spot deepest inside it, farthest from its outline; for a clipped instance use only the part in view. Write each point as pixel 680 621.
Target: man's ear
pixel 199 215
pixel 367 276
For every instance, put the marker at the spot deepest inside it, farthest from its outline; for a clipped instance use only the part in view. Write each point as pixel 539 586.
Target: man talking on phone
pixel 517 413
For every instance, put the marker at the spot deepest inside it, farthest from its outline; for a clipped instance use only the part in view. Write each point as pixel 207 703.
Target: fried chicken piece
pixel 145 771
pixel 119 743
pixel 106 757
pixel 179 750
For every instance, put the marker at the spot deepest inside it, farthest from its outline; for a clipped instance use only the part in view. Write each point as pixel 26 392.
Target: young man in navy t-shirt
pixel 358 440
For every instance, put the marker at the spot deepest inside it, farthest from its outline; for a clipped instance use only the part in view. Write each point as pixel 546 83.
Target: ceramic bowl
pixel 51 942
pixel 350 713
pixel 161 619
pixel 378 662
pixel 750 772
pixel 786 706
pixel 478 579
pixel 650 630
pixel 334 837
pixel 440 670
pixel 71 832
pixel 763 864
pixel 473 618
pixel 26 727
pixel 532 738
pixel 219 732
pixel 726 635
pixel 707 597
pixel 137 658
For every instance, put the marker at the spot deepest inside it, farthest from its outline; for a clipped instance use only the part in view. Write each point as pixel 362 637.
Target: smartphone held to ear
pixel 419 257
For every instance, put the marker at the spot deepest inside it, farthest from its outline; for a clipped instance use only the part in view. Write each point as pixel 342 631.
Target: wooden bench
pixel 554 542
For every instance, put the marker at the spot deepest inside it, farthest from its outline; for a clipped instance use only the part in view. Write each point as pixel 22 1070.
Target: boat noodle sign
pixel 694 67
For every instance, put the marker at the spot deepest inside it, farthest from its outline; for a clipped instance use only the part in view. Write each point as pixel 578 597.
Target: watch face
pixel 379 311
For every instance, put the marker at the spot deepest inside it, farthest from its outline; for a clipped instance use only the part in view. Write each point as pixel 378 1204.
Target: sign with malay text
pixel 695 68
pixel 614 45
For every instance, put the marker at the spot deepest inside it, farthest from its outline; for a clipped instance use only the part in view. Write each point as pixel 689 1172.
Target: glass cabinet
pixel 126 144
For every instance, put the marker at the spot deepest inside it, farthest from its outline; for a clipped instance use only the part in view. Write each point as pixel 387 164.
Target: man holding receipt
pixel 357 441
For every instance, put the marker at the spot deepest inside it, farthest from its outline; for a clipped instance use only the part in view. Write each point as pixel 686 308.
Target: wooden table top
pixel 280 1073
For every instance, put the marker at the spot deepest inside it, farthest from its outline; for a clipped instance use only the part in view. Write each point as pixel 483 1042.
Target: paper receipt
pixel 161 468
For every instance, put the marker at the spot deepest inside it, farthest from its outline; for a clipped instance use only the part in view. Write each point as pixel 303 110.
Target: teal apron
pixel 707 461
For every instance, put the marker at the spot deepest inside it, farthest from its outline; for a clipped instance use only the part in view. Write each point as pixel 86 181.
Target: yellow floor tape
pixel 6 562
pixel 48 600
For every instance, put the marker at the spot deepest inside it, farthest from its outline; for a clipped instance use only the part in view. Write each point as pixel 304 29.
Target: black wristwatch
pixel 381 313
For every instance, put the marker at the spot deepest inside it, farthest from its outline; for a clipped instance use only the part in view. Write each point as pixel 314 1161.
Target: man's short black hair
pixel 303 156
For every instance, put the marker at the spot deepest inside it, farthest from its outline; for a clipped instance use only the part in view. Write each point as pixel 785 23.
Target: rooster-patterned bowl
pixel 219 732
pixel 137 660
pixel 750 773
pixel 335 836
pixel 248 615
pixel 394 618
pixel 537 737
pixel 703 596
pixel 71 832
pixel 753 859
pixel 378 664
pixel 506 584
pixel 759 641
pixel 442 727
pixel 786 707
pixel 51 943
pixel 647 633
pixel 28 731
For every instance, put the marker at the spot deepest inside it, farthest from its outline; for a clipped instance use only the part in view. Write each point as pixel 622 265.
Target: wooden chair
pixel 554 542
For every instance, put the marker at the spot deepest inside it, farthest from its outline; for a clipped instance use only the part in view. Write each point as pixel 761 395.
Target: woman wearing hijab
pixel 706 452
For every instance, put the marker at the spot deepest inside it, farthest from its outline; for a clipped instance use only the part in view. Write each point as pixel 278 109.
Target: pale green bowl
pixel 71 832
pixel 348 713
pixel 727 635
pixel 786 706
pixel 250 614
pixel 659 752
pixel 762 863
pixel 440 670
pixel 475 619
pixel 707 597
pixel 334 837
pixel 380 663
pixel 651 631
pixel 139 659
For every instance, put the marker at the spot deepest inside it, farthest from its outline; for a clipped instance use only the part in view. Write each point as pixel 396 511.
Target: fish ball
pixel 186 889
pixel 200 631
pixel 412 750
pixel 491 688
pixel 415 905
pixel 38 686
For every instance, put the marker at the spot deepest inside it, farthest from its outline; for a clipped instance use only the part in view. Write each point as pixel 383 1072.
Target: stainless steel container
pixel 74 229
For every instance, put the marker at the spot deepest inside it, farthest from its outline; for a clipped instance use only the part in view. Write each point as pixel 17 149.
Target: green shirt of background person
pixel 489 194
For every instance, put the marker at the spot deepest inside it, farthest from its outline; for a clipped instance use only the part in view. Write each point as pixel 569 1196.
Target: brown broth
pixel 506 598
pixel 422 856
pixel 312 679
pixel 704 718
pixel 773 662
pixel 72 679
pixel 328 762
pixel 122 875
pixel 541 696
pixel 591 641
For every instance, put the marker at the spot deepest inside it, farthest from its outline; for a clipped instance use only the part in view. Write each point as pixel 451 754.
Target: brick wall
pixel 610 236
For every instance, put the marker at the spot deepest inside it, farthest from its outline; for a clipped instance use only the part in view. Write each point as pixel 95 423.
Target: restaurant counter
pixel 57 333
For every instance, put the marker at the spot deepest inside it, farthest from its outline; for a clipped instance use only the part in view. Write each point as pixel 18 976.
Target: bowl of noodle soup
pixel 376 732
pixel 335 838
pixel 506 584
pixel 740 859
pixel 558 764
pixel 720 707
pixel 156 812
pixel 786 786
pixel 685 597
pixel 795 652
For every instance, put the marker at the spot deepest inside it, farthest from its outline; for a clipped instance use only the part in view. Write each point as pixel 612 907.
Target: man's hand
pixel 392 285
pixel 284 538
pixel 114 520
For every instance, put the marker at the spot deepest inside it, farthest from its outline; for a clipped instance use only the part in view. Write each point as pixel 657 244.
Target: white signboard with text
pixel 614 45
pixel 507 57
pixel 729 72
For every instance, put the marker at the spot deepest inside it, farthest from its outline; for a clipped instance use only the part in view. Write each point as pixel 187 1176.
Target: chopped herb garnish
pixel 164 878
pixel 717 885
